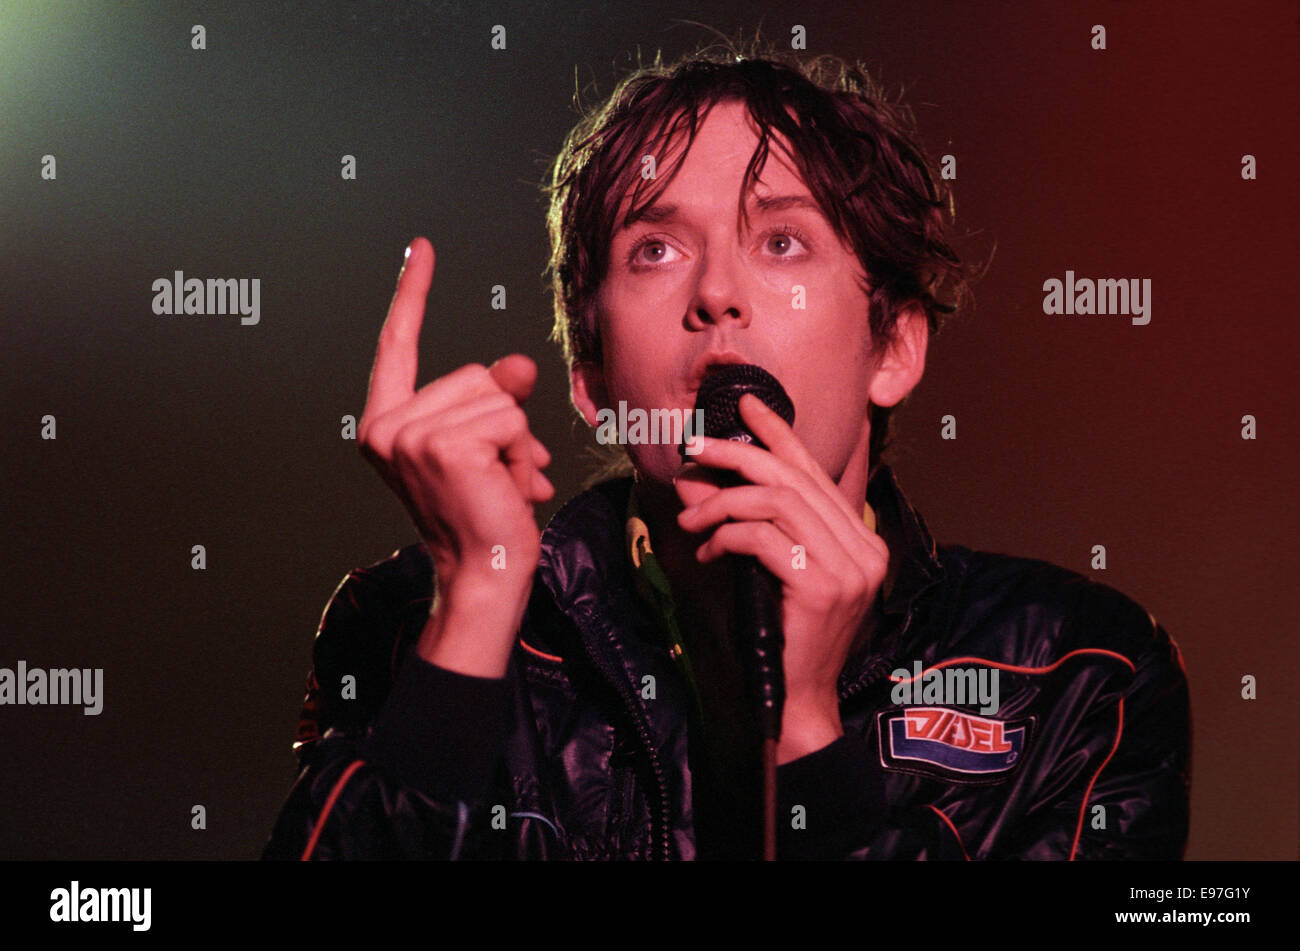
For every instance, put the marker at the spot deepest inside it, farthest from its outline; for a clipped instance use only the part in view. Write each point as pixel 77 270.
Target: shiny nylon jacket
pixel 1086 757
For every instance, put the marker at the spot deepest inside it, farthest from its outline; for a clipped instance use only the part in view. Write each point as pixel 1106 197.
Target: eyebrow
pixel 667 211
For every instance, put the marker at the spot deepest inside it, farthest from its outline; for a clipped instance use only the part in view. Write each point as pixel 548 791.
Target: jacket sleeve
pixel 844 812
pixel 1122 783
pixel 404 768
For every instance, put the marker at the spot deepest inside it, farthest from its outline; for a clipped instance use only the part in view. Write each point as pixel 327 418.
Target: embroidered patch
pixel 951 744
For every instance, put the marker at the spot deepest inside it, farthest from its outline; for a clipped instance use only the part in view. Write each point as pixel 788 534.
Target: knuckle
pixel 409 440
pixel 439 449
pixel 371 441
pixel 858 589
pixel 825 596
pixel 365 428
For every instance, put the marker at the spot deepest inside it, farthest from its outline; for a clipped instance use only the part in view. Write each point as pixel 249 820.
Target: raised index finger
pixel 392 379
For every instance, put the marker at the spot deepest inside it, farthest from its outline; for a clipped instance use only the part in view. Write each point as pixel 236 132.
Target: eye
pixel 786 241
pixel 786 234
pixel 660 250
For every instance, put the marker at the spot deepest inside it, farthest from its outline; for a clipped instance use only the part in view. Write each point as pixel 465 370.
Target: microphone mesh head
pixel 720 394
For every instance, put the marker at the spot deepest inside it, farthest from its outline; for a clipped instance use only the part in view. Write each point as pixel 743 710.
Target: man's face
pixel 785 294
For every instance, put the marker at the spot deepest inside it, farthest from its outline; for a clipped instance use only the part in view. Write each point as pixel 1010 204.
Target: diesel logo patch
pixel 951 744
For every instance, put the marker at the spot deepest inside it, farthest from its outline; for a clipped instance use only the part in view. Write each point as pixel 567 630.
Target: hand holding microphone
pixel 757 592
pixel 788 514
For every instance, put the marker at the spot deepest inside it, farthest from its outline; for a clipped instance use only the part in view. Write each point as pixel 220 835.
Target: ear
pixel 587 390
pixel 903 361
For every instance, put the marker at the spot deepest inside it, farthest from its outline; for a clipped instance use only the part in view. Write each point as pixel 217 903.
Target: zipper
pixel 877 669
pixel 643 730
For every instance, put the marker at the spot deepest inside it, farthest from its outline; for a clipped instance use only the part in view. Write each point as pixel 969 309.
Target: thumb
pixel 516 374
pixel 695 483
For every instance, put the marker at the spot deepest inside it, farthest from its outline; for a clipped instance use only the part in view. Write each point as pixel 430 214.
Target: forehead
pixel 674 171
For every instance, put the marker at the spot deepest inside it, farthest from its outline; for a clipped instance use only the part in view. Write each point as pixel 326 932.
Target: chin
pixel 658 464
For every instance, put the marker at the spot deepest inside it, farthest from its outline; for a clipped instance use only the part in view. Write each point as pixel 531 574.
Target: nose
pixel 719 296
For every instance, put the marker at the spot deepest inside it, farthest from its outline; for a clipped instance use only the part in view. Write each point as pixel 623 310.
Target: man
pixel 577 694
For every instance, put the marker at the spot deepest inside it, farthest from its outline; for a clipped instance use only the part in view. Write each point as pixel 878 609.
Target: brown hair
pixel 858 154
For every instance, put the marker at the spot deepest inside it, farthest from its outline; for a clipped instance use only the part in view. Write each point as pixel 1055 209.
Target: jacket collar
pixel 586 561
pixel 586 566
pixel 910 542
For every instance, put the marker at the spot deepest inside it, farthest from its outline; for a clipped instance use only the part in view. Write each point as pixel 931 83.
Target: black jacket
pixel 1086 757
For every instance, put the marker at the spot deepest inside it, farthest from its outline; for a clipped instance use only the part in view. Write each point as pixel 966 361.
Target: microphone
pixel 757 591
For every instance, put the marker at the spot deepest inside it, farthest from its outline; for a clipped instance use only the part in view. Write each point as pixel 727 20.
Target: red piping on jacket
pixel 533 650
pixel 1119 731
pixel 1023 670
pixel 329 804
pixel 955 833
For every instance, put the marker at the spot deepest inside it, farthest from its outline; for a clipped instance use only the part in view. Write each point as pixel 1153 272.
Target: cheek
pixel 832 406
pixel 831 414
pixel 638 373
pixel 831 430
pixel 643 362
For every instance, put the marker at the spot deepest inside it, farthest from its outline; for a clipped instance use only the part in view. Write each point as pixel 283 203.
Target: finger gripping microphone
pixel 757 591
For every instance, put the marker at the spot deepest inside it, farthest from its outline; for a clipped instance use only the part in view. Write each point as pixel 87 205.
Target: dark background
pixel 176 431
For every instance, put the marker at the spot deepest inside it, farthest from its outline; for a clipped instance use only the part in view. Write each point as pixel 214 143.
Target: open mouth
pixel 710 363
